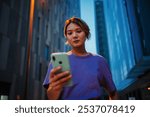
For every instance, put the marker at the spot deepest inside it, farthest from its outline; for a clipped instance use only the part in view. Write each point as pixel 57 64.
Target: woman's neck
pixel 79 52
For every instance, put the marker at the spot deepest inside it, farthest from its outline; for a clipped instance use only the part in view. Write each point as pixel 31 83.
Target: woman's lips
pixel 76 41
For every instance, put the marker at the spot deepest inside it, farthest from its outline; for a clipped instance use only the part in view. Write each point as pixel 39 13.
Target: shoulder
pixel 97 56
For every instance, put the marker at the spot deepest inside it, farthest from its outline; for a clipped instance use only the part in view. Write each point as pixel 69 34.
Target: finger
pixel 58 87
pixel 63 80
pixel 60 83
pixel 49 88
pixel 60 76
pixel 54 71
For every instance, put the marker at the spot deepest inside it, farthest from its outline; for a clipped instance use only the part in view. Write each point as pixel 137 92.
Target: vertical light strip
pixel 31 16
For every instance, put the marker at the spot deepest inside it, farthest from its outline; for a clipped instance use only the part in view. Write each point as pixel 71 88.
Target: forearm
pixel 53 95
pixel 113 96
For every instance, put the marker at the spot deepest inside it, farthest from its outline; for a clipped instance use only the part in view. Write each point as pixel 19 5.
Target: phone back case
pixel 61 59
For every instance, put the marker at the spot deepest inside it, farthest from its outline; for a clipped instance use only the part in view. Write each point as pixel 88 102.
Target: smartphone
pixel 61 59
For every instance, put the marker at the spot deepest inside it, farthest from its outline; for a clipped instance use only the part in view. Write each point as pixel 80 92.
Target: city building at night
pixel 30 30
pixel 14 24
pixel 101 35
pixel 127 40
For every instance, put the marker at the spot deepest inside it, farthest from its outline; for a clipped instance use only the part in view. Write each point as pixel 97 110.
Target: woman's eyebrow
pixel 74 29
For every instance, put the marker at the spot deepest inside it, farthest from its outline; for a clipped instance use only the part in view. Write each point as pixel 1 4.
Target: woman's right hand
pixel 57 81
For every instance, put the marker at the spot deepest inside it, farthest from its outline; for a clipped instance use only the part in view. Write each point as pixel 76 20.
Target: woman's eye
pixel 78 31
pixel 69 33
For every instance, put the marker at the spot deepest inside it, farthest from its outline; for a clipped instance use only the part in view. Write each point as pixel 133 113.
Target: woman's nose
pixel 74 34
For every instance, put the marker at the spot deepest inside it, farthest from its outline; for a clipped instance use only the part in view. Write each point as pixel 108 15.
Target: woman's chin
pixel 76 45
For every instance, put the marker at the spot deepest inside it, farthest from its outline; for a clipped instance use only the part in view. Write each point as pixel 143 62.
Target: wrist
pixel 53 93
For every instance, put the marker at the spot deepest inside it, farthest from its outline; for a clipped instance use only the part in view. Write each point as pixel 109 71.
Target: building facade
pixel 30 30
pixel 13 43
pixel 127 31
pixel 101 35
pixel 48 37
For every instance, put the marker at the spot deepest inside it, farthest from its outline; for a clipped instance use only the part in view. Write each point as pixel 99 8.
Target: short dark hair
pixel 80 23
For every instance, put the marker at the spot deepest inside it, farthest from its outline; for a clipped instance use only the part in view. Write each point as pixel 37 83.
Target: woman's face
pixel 75 35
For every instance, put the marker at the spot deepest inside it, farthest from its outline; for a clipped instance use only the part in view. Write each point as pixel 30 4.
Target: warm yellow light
pixel 148 88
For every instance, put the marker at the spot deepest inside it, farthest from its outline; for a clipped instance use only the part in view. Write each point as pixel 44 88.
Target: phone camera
pixel 60 62
pixel 53 58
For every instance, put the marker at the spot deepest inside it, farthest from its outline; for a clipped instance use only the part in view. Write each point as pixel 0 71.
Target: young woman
pixel 89 72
